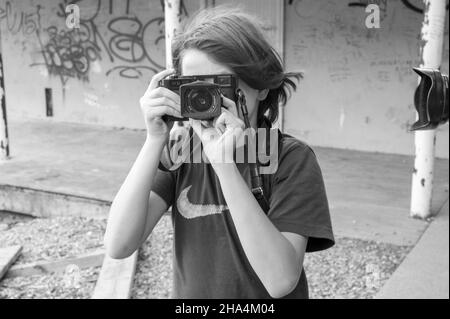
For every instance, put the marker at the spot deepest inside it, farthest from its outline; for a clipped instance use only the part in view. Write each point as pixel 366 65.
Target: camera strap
pixel 256 180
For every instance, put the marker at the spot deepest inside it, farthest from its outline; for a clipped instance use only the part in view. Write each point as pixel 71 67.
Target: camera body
pixel 200 95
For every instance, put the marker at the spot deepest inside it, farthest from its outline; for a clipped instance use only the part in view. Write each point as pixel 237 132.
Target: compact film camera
pixel 200 95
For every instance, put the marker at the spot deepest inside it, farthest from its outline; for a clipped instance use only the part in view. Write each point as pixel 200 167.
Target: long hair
pixel 236 39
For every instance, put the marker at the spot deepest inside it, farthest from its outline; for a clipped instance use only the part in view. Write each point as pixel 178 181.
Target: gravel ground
pixel 56 286
pixel 51 239
pixel 352 269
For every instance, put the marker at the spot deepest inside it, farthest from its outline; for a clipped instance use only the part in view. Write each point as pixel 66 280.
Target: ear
pixel 262 95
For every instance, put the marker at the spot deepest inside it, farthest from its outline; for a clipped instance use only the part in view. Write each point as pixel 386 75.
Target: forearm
pixel 269 252
pixel 128 212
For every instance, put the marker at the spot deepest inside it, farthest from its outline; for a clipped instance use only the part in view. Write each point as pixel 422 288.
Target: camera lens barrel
pixel 201 100
pixel 201 95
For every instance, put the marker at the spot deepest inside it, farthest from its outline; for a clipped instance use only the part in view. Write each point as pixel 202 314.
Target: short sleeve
pixel 298 201
pixel 164 186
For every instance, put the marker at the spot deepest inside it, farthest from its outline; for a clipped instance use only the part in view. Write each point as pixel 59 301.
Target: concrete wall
pixel 357 91
pixel 358 87
pixel 97 75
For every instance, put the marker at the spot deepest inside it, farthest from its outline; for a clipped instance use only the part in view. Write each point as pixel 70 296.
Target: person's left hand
pixel 221 136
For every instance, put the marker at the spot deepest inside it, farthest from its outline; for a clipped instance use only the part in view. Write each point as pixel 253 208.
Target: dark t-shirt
pixel 209 261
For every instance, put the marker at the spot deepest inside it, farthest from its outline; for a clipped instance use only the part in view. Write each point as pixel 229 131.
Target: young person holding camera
pixel 225 244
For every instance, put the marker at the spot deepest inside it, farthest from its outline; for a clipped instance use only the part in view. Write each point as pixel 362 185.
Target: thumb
pixel 227 120
pixel 203 132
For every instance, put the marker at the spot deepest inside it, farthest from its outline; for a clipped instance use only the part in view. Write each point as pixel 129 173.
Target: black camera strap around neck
pixel 255 177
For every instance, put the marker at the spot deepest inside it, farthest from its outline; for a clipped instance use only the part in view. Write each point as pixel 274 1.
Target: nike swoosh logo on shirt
pixel 190 211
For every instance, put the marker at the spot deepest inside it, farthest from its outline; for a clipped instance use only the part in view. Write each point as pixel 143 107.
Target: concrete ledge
pixel 8 256
pixel 93 259
pixel 116 278
pixel 380 223
pixel 42 203
pixel 424 274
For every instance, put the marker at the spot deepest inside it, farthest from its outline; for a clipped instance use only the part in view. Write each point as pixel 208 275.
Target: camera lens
pixel 201 100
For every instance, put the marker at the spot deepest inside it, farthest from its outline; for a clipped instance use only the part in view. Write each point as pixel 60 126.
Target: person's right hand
pixel 157 102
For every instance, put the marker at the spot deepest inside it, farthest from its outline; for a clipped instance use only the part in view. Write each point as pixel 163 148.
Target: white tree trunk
pixel 4 141
pixel 172 23
pixel 431 50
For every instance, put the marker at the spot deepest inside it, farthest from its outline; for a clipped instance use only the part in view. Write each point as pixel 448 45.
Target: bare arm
pixel 157 207
pixel 276 257
pixel 132 206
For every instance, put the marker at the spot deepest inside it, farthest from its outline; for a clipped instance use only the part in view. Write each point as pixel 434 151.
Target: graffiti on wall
pixel 413 5
pixel 381 4
pixel 131 42
pixel 134 48
pixel 20 22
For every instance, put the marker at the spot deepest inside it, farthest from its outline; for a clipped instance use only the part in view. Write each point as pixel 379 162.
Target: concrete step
pixel 42 203
pixel 424 274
